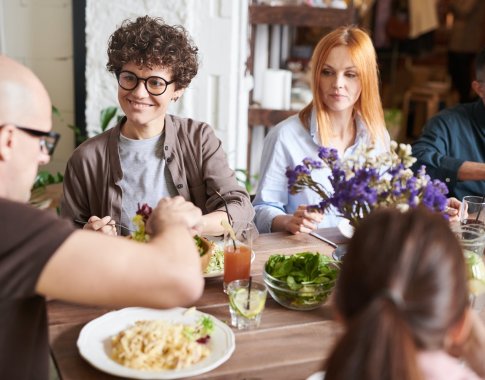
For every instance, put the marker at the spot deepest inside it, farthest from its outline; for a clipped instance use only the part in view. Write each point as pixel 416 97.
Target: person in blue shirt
pixel 346 111
pixel 452 145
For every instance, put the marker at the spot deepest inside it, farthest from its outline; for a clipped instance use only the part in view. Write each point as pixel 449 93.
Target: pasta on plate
pixel 158 345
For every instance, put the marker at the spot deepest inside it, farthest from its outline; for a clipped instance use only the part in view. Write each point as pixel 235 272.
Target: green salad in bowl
pixel 302 281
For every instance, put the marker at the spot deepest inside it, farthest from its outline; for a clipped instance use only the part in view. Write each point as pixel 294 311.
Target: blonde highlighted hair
pixel 364 58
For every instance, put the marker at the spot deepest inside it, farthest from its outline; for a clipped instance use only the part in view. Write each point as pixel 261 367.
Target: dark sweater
pixel 451 137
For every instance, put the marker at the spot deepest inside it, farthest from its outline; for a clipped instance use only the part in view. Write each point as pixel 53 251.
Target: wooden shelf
pixel 295 16
pixel 267 117
pixel 300 15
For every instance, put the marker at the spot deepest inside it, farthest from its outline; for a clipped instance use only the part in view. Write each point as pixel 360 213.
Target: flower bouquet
pixel 366 181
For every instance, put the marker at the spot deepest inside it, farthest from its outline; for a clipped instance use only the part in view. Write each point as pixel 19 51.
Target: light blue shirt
pixel 286 145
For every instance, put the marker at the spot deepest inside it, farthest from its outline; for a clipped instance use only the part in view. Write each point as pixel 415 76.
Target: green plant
pixel 392 118
pixel 107 114
pixel 247 180
pixel 78 134
pixel 105 117
pixel 45 178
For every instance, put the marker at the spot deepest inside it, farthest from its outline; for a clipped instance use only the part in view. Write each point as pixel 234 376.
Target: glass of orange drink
pixel 237 252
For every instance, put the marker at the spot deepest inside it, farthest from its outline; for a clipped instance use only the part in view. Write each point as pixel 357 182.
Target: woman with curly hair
pixel 150 154
pixel 403 299
pixel 345 112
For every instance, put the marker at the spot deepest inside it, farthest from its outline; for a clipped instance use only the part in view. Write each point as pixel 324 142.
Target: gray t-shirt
pixel 146 178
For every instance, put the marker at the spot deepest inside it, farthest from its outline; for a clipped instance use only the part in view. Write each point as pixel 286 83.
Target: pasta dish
pixel 160 345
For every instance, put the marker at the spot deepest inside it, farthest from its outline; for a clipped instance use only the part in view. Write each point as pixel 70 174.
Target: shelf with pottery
pixel 294 16
pixel 266 116
pixel 300 15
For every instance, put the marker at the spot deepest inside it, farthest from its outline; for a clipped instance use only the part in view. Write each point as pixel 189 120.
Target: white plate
pixel 345 228
pixel 317 376
pixel 220 246
pixel 94 342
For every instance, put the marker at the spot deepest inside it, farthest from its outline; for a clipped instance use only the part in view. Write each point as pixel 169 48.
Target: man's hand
pixel 104 225
pixel 453 209
pixel 172 211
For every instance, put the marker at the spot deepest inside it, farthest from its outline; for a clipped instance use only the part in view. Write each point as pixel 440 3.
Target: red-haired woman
pixel 345 113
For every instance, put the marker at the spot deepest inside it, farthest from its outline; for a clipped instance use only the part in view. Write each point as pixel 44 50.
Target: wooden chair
pixel 430 95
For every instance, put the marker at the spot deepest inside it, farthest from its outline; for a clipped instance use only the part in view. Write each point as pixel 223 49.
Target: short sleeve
pixel 29 238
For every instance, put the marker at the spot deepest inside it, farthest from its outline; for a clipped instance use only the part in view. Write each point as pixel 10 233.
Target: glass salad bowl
pixel 302 281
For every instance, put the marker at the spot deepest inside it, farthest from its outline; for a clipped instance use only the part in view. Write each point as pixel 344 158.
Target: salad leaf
pixel 201 331
pixel 206 325
pixel 305 267
pixel 139 234
pixel 311 275
pixel 216 263
pixel 139 221
pixel 203 245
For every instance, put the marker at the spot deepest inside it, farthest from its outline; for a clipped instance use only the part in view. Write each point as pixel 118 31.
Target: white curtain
pixel 2 32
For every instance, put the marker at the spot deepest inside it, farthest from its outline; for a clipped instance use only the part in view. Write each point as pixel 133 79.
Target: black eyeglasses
pixel 47 140
pixel 154 85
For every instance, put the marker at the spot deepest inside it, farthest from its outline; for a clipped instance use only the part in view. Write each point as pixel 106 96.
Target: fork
pixel 116 224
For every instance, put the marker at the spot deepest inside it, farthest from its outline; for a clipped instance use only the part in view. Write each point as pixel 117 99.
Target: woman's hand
pixel 303 221
pixel 104 225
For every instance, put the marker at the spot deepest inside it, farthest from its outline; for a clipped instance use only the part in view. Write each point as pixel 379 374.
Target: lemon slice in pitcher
pixel 476 287
pixel 239 301
pixel 475 266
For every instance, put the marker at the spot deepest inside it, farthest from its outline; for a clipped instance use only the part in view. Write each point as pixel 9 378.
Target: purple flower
pixel 312 164
pixel 328 154
pixel 434 195
pixel 374 182
pixel 297 178
pixel 395 170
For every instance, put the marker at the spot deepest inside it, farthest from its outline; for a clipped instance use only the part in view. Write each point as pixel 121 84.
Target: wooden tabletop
pixel 288 344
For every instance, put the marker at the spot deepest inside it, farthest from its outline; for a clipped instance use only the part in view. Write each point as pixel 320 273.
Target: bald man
pixel 41 255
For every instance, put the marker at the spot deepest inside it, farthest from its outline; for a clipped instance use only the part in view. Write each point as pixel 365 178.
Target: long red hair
pixel 369 104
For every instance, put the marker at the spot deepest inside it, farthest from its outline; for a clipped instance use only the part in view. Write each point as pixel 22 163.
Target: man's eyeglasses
pixel 47 140
pixel 154 85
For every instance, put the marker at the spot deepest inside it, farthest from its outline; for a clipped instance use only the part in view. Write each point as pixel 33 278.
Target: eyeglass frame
pixel 167 83
pixel 44 144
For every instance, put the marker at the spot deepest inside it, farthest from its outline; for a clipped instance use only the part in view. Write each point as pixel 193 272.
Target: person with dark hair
pixel 403 299
pixel 452 145
pixel 43 256
pixel 150 154
pixel 345 113
pixel 465 42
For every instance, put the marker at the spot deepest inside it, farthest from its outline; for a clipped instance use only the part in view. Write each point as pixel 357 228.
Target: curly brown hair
pixel 150 42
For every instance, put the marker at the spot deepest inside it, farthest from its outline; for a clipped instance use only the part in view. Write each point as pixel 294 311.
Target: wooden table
pixel 287 345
